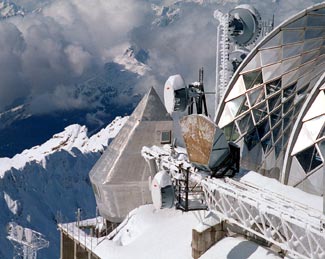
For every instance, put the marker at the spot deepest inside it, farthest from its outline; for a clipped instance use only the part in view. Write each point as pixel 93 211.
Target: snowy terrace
pixel 168 233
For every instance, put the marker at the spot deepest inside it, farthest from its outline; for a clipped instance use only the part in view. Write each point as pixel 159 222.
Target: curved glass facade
pixel 264 99
pixel 305 154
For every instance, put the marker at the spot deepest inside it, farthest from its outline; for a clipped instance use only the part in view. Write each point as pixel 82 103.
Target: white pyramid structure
pixel 120 177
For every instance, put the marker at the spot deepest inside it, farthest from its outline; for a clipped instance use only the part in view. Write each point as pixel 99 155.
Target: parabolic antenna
pixel 207 146
pixel 162 191
pixel 236 57
pixel 175 94
pixel 245 25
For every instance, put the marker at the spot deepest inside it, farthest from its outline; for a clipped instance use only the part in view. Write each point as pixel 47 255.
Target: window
pixel 165 137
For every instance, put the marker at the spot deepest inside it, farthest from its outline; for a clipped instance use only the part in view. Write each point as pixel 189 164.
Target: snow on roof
pixel 288 192
pixel 149 233
pixel 236 248
pixel 73 136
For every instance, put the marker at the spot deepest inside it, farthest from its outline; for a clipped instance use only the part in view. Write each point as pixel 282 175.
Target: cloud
pixel 50 50
pixel 45 54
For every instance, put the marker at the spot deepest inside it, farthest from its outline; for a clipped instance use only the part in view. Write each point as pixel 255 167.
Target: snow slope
pixel 47 183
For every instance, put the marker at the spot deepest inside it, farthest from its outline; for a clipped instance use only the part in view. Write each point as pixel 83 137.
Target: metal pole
pixel 186 190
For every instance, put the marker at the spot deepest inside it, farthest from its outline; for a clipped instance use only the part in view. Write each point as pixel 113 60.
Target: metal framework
pixel 26 242
pixel 297 229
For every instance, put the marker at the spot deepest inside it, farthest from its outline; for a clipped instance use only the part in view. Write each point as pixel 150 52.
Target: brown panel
pixel 198 133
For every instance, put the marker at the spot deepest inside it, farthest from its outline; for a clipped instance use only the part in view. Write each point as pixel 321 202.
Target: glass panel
pixel 278 148
pixel 234 105
pixel 253 64
pixel 292 50
pixel 274 101
pixel 306 68
pixel 290 77
pixel 305 79
pixel 286 136
pixel 251 139
pixel 231 132
pixel 289 90
pixel 244 107
pixel 322 133
pixel 322 49
pixel 166 137
pixel 273 87
pixel 290 64
pixel 299 23
pixel 226 116
pixel 259 112
pixel 315 126
pixel 263 128
pixel 309 56
pixel 319 11
pixel 274 41
pixel 316 108
pixel 302 90
pixel 288 104
pixel 298 107
pixel 293 36
pixel 287 119
pixel 256 96
pixel 277 132
pixel 309 159
pixel 313 33
pixel 237 90
pixel 315 20
pixel 270 56
pixel 321 146
pixel 266 143
pixel 245 123
pixel 253 79
pixel 272 72
pixel 275 116
pixel 313 44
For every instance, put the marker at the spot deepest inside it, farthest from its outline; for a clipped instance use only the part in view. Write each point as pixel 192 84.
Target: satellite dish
pixel 29 235
pixel 205 142
pixel 245 25
pixel 236 57
pixel 175 94
pixel 162 191
pixel 19 232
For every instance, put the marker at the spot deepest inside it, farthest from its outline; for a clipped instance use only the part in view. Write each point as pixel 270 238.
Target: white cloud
pixel 53 48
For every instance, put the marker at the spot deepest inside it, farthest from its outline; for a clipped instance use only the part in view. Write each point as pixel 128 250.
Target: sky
pixel 60 43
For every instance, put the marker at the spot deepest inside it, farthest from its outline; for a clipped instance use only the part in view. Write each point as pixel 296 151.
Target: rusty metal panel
pixel 206 144
pixel 198 133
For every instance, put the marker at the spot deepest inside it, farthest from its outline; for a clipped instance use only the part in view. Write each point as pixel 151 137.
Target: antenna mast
pixel 26 241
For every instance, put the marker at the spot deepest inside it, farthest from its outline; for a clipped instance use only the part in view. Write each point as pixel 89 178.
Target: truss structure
pixel 26 242
pixel 297 229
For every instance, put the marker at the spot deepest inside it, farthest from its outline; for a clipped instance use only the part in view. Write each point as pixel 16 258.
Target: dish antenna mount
pixel 179 97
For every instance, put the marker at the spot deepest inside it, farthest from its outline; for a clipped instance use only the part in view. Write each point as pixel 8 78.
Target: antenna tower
pixel 26 241
pixel 237 32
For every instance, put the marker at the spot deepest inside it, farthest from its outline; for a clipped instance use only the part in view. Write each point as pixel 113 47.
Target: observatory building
pixel 274 105
pixel 120 177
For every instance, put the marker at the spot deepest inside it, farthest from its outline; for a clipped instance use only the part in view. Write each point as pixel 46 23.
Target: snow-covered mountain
pixel 47 183
pixel 9 9
pixel 20 128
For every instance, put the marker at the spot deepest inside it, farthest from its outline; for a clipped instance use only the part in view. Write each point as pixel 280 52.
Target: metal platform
pixel 297 229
